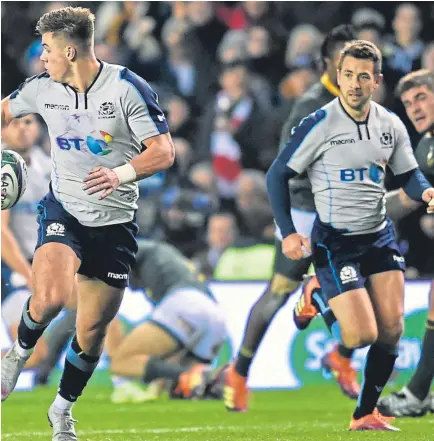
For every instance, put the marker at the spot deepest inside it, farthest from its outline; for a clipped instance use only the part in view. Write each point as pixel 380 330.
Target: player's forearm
pixel 12 254
pixel 279 197
pixel 158 156
pixel 414 184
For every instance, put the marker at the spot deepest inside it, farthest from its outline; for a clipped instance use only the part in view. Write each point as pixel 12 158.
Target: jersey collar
pixel 327 83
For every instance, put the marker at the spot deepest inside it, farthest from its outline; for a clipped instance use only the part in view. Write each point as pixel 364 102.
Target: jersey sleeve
pixel 143 113
pixel 402 159
pixel 305 142
pixel 24 100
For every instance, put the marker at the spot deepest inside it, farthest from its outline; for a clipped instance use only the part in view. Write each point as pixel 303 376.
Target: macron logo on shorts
pixel 399 259
pixel 117 276
pixel 55 229
pixel 348 274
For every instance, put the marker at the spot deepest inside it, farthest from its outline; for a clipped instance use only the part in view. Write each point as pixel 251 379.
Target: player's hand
pixel 428 197
pixel 296 246
pixel 101 179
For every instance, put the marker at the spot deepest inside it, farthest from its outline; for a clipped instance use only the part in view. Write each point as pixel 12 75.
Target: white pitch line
pixel 156 431
pixel 168 430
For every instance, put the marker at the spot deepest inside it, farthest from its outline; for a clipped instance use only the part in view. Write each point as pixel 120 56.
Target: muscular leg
pixel 356 317
pixel 97 305
pixel 260 318
pixel 54 267
pixel 387 295
pixel 420 383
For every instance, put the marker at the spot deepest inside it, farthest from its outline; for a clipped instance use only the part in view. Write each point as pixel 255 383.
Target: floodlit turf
pixel 309 414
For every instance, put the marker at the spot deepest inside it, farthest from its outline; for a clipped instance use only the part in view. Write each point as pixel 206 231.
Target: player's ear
pixel 378 80
pixel 71 53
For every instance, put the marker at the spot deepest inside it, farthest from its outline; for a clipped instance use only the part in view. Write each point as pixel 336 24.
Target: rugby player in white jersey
pixel 107 132
pixel 345 147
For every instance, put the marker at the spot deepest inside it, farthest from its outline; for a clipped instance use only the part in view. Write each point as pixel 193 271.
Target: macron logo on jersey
pixel 57 106
pixel 343 141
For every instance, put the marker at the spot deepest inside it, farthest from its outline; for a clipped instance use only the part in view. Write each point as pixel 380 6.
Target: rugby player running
pixel 107 132
pixel 356 257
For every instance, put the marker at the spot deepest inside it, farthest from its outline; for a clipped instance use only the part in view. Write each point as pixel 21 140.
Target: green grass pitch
pixel 310 414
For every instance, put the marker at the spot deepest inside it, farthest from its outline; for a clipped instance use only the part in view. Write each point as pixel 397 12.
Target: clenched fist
pixel 296 246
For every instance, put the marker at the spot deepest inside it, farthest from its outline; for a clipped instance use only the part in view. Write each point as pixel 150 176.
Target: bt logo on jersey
pixel 96 146
pixel 375 173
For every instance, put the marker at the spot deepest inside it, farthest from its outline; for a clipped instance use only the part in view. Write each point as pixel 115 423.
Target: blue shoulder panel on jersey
pixel 300 132
pixel 149 98
pixel 27 81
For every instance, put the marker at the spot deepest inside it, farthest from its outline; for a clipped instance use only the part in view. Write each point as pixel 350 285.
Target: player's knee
pixel 46 304
pixel 359 338
pixel 391 332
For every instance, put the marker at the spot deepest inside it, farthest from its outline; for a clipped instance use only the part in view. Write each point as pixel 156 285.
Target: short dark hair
pixel 362 50
pixel 421 77
pixel 75 23
pixel 339 35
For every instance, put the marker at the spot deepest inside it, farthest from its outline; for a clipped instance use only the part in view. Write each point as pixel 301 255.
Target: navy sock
pixel 158 368
pixel 29 330
pixel 344 351
pixel 243 362
pixel 379 366
pixel 78 369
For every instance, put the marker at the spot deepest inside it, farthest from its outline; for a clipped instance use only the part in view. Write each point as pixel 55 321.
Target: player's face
pixel 21 133
pixel 357 81
pixel 419 104
pixel 54 57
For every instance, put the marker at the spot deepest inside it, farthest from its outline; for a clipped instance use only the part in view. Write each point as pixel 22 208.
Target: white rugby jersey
pixel 346 163
pixel 104 126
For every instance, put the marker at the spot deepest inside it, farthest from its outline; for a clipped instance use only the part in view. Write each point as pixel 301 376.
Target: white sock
pixel 61 404
pixel 23 353
pixel 118 381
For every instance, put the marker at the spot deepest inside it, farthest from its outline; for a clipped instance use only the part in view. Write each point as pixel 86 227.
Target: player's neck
pixel 83 73
pixel 358 115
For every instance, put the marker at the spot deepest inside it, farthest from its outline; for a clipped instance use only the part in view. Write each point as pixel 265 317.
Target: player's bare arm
pixel 11 252
pixel 159 155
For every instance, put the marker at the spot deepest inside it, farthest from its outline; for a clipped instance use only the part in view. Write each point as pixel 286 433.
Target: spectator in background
pixel 404 49
pixel 202 176
pixel 428 57
pixel 369 24
pixel 179 118
pixel 233 47
pixel 183 217
pixel 302 45
pixel 187 71
pixel 252 204
pixel 221 233
pixel 227 131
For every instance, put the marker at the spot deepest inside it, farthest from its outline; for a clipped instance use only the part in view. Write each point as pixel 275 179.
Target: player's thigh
pixel 384 267
pixel 431 302
pixel 147 339
pixel 355 314
pixel 57 254
pixel 54 267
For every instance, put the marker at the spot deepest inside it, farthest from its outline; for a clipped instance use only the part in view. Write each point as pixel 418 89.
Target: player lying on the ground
pixel 184 331
pixel 107 132
pixel 345 147
pixel 288 273
pixel 416 91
